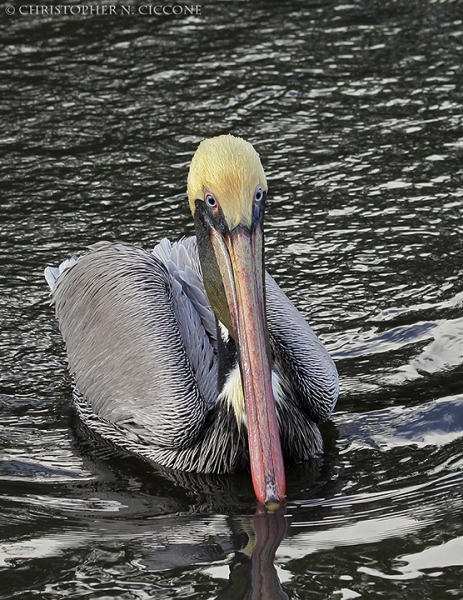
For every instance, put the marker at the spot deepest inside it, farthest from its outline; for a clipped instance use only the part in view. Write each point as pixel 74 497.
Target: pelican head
pixel 226 191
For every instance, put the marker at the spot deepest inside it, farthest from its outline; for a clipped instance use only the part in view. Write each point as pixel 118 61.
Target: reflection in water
pixel 162 546
pixel 158 528
pixel 252 571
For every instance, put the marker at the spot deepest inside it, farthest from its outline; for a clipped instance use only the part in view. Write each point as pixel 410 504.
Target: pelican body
pixel 191 356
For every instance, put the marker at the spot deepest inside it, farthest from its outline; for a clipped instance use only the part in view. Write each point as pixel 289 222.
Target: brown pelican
pixel 191 355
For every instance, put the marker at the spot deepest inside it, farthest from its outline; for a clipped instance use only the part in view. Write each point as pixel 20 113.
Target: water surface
pixel 357 111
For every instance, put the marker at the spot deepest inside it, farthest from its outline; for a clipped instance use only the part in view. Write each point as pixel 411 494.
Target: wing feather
pixel 304 362
pixel 125 351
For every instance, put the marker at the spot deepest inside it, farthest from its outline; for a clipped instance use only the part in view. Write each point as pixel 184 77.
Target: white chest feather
pixel 232 394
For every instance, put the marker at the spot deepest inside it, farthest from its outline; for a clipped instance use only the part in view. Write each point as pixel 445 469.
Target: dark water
pixel 357 111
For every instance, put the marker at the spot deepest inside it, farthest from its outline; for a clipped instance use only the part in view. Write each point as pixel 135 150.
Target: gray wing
pixel 126 353
pixel 300 357
pixel 195 317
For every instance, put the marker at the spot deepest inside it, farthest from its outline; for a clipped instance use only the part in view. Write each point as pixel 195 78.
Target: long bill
pixel 239 256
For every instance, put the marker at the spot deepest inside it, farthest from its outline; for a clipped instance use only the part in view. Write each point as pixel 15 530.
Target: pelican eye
pixel 259 194
pixel 210 200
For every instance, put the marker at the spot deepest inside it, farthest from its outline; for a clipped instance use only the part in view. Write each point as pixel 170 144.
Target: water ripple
pixel 356 110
